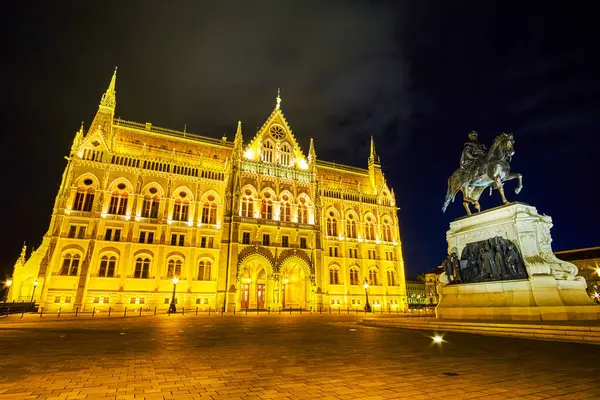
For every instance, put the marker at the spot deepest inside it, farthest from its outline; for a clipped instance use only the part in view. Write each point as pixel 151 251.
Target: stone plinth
pixel 552 290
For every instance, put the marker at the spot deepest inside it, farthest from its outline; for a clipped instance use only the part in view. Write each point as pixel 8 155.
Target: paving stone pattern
pixel 280 357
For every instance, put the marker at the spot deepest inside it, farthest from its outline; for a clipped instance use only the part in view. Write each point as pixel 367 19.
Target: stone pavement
pixel 279 357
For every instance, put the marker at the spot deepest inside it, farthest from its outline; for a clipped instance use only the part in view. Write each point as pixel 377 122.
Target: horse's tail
pixel 449 195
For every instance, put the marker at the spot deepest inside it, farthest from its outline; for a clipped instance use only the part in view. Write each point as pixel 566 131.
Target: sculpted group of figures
pixel 488 260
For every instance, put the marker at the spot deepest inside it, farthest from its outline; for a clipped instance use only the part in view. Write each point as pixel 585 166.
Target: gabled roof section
pixel 275 119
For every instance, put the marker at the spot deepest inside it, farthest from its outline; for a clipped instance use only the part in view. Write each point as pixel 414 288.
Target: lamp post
pixel 8 284
pixel 172 308
pixel 366 286
pixel 35 283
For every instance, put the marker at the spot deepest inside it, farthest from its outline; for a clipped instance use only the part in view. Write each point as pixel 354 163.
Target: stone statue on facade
pixel 480 169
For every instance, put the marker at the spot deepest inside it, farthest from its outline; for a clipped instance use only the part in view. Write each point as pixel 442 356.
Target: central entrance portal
pixel 294 285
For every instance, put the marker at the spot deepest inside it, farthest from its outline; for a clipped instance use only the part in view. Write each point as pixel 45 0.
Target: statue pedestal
pixel 552 291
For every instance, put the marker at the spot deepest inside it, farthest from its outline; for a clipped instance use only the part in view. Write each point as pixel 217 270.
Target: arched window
pixel 354 276
pixel 118 203
pixel 247 204
pixel 351 227
pixel 174 268
pixel 387 231
pixel 150 207
pixel 391 277
pixel 107 267
pixel 285 211
pixel 303 212
pixel 267 152
pixel 70 265
pixel 84 200
pixel 266 211
pixel 180 210
pixel 142 268
pixel 369 229
pixel 204 270
pixel 209 213
pixel 373 280
pixel 334 276
pixel 285 155
pixel 331 225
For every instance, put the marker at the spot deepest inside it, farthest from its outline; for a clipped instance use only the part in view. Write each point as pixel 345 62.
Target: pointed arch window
pixel 354 276
pixel 303 212
pixel 391 277
pixel 334 276
pixel 248 207
pixel 387 232
pixel 107 267
pixel 204 268
pixel 180 210
pixel 285 210
pixel 331 225
pixel 174 268
pixel 70 265
pixel 370 229
pixel 267 152
pixel 285 155
pixel 209 213
pixel 150 207
pixel 351 227
pixel 118 203
pixel 373 278
pixel 84 200
pixel 266 211
pixel 142 268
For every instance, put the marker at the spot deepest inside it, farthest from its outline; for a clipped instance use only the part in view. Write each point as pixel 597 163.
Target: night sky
pixel 416 75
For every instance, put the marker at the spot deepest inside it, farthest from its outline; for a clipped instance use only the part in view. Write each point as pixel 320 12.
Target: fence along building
pixel 252 225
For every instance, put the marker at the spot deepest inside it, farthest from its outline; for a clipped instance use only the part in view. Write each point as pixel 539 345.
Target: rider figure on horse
pixel 473 153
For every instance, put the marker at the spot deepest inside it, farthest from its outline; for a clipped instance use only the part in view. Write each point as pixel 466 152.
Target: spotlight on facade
pixel 249 154
pixel 175 280
pixel 598 271
pixel 285 281
pixel 249 280
pixel 366 285
pixel 8 282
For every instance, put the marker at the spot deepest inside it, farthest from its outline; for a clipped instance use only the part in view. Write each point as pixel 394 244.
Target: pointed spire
pixel 312 156
pixel 109 99
pixel 278 99
pixel 373 157
pixel 237 140
pixel 22 256
pixel 78 139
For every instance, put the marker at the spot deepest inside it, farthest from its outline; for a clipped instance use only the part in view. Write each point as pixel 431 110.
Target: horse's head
pixel 503 146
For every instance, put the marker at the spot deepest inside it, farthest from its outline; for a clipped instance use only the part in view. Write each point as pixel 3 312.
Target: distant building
pixel 431 282
pixel 415 293
pixel 588 263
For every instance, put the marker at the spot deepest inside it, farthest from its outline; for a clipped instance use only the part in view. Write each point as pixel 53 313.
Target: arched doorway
pixel 255 283
pixel 295 284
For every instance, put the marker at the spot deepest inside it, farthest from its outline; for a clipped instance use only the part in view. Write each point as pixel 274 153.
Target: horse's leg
pixel 476 194
pixel 500 187
pixel 516 176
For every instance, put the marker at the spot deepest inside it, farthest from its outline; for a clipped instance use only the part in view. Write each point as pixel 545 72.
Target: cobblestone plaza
pixel 279 356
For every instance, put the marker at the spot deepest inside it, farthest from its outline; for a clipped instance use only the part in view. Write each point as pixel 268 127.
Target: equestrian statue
pixel 481 168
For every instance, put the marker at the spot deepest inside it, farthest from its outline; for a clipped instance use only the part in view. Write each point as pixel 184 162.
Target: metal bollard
pixel 209 311
pixel 246 310
pixel 279 310
pixel 381 310
pixel 109 310
pixel 320 310
pixel 233 310
pixel 41 311
pixel 125 313
pixel 348 310
pixel 269 311
pixel 155 311
pixel 182 311
pixel 22 312
pixel 300 310
pixel 290 310
pixel 356 310
pixel 140 311
pixel 257 310
pixel 93 311
pixel 196 310
pixel 76 311
pixel 329 310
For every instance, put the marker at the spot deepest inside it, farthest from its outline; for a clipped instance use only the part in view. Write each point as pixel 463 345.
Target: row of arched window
pixel 108 267
pixel 268 153
pixel 267 210
pixel 370 228
pixel 372 279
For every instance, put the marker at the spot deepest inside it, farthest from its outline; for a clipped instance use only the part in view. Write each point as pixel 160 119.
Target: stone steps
pixel 559 332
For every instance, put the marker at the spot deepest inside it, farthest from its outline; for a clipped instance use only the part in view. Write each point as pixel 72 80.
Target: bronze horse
pixel 491 171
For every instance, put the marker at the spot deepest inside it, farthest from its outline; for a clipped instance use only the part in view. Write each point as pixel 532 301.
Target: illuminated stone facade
pixel 252 225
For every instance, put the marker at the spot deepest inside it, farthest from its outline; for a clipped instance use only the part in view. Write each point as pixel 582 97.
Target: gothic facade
pixel 245 224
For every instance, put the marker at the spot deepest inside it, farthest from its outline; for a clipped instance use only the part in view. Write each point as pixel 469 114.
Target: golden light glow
pixel 9 282
pixel 302 164
pixel 249 280
pixel 437 339
pixel 285 281
pixel 35 283
pixel 249 154
pixel 175 280
pixel 598 271
pixel 366 285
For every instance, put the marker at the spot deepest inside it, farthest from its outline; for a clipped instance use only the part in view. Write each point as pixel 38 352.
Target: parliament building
pixel 251 223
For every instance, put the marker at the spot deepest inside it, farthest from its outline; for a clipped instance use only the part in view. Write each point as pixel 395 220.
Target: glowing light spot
pixel 249 154
pixel 302 164
pixel 437 339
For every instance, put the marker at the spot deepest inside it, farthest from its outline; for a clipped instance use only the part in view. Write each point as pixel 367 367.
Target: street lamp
pixel 172 308
pixel 366 286
pixel 35 283
pixel 8 284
